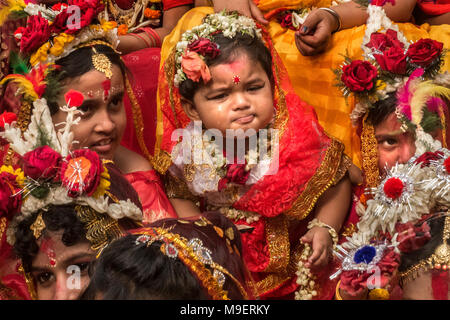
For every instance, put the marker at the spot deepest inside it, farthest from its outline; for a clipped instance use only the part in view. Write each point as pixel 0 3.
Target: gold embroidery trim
pixel 275 280
pixel 324 177
pixel 177 188
pixel 137 119
pixel 369 152
pixel 100 228
pixel 29 281
pixel 277 237
pixel 161 161
pixel 3 221
pixel 348 230
pixel 187 255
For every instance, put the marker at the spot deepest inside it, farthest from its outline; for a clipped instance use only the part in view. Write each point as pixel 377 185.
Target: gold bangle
pixel 336 16
pixel 338 294
pixel 316 223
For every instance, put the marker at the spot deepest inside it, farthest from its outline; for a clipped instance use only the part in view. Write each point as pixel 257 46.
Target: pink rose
pixel 195 68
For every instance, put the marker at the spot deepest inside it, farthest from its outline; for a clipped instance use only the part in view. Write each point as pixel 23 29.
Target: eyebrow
pixel 389 134
pixel 68 261
pixel 99 99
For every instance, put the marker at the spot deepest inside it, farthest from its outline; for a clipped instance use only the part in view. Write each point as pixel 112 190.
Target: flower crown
pixel 50 173
pixel 53 33
pixel 196 44
pixel 393 64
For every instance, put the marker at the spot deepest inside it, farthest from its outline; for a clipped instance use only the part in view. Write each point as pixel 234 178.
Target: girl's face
pixel 238 96
pixel 394 145
pixel 103 121
pixel 60 272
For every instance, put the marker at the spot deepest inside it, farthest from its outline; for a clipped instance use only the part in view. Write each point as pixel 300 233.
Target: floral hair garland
pixel 196 44
pixel 50 173
pixel 393 64
pixel 53 33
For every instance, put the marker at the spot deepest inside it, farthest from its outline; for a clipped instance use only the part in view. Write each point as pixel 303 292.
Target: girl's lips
pixel 102 146
pixel 245 119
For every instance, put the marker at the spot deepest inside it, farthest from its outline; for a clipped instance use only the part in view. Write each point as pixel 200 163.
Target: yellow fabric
pixel 312 77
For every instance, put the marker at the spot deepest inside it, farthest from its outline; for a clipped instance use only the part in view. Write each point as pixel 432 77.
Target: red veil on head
pixel 309 163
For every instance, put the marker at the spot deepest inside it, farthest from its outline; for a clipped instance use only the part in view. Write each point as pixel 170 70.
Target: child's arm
pixel 129 43
pixel 331 209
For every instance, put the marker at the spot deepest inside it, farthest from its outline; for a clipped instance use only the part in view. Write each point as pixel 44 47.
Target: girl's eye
pixel 44 278
pixel 83 266
pixel 84 107
pixel 218 96
pixel 255 88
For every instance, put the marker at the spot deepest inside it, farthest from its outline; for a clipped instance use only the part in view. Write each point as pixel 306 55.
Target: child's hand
pixel 322 246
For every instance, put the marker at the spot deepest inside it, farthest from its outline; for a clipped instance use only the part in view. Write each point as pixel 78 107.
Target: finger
pixel 306 49
pixel 321 261
pixel 311 21
pixel 319 38
pixel 256 13
pixel 307 238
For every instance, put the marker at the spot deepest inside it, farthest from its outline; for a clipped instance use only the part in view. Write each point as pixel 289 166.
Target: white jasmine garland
pixel 229 24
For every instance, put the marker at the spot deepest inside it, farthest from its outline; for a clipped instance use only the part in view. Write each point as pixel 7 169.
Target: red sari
pixel 309 163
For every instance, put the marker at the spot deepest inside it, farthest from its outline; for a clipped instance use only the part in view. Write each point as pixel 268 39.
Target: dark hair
pixel 76 64
pixel 229 49
pixel 125 270
pixel 61 217
pixel 64 217
pixel 382 109
pixel 410 259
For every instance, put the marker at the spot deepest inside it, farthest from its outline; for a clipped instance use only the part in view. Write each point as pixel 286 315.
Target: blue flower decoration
pixel 365 254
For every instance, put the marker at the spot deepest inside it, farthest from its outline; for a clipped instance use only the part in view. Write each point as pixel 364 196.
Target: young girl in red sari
pixel 292 201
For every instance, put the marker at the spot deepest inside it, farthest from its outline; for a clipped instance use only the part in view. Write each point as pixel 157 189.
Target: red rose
pixel 58 6
pixel 41 163
pixel 35 34
pixel 359 76
pixel 424 52
pixel 236 173
pixel 383 41
pixel 74 98
pixel 204 47
pixel 89 9
pixel 59 24
pixel 425 158
pixel 393 188
pixel 286 21
pixel 393 60
pixel 80 172
pixel 10 197
pixel 7 117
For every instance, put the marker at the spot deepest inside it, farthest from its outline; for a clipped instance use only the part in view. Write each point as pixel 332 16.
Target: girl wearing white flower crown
pixel 288 193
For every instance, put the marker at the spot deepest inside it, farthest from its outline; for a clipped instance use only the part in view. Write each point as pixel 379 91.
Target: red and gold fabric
pixel 312 77
pixel 309 163
pixel 150 189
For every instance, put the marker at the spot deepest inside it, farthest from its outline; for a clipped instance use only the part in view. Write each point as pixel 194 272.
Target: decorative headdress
pixel 53 33
pixel 194 253
pixel 196 44
pixel 52 174
pixel 392 64
pixel 416 236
